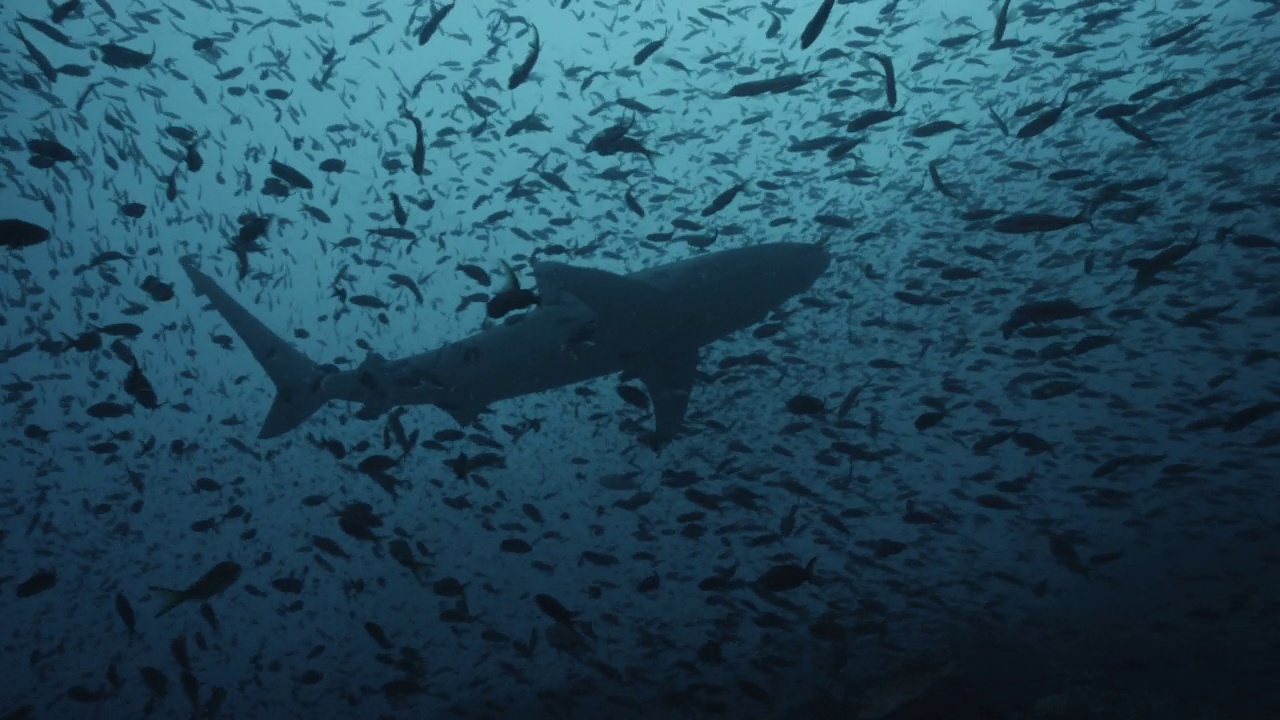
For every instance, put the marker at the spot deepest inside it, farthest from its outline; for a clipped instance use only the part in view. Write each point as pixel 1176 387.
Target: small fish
pixel 403 554
pixel 805 405
pixel 869 119
pixel 649 49
pixel 511 298
pixel 406 282
pixel 433 23
pixel 1025 223
pixel 52 149
pixel 39 582
pixel 1043 121
pixel 722 200
pixel 890 81
pixel 1174 36
pixel 140 389
pixel 290 175
pixel 936 178
pixel 118 56
pixel 37 57
pixel 218 579
pixel 16 234
pixel 475 272
pixel 850 400
pixel 633 396
pixel 1246 417
pixel 771 86
pixel 1043 311
pixel 1002 23
pixel 289 585
pixel 379 636
pixel 356 40
pixel 108 410
pixel 1133 130
pixel 936 127
pixel 419 147
pixel 1004 129
pixel 521 72
pixel 554 610
pixel 929 420
pixel 1065 553
pixel 781 578
pixel 633 204
pixel 814 27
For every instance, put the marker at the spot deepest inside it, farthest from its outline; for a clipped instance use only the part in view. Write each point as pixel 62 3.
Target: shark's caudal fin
pixel 299 393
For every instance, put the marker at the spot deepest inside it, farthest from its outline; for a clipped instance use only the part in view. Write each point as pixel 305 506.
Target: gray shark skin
pixel 590 323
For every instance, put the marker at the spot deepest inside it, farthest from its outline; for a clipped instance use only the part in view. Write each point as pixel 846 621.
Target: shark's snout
pixel 813 260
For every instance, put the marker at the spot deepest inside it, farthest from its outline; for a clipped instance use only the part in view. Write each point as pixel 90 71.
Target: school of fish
pixel 1013 455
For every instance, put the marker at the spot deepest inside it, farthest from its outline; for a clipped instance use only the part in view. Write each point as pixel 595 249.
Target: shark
pixel 650 325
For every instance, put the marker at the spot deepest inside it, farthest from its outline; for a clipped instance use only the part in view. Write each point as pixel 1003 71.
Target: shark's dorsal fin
pixel 608 294
pixel 547 280
pixel 669 379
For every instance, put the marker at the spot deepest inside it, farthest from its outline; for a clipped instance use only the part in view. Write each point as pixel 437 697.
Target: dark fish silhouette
pixel 16 234
pixel 118 56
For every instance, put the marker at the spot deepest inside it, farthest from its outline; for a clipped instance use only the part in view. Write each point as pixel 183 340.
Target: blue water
pixel 1029 579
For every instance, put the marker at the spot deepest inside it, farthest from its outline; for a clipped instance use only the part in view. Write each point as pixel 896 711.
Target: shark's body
pixel 590 323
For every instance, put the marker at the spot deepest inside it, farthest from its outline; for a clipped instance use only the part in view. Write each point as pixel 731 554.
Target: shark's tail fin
pixel 299 390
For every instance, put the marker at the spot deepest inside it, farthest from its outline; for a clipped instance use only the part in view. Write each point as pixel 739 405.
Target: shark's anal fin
pixel 298 380
pixel 669 379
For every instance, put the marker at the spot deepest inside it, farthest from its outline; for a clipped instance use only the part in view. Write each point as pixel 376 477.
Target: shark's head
pixel 810 261
pixel 762 275
pixel 728 290
pixel 788 269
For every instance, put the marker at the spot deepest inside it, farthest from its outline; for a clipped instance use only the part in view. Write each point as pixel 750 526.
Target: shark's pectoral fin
pixel 669 379
pixel 464 416
pixel 636 314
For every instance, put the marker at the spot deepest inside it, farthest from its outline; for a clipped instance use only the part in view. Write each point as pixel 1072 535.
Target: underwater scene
pixel 524 359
